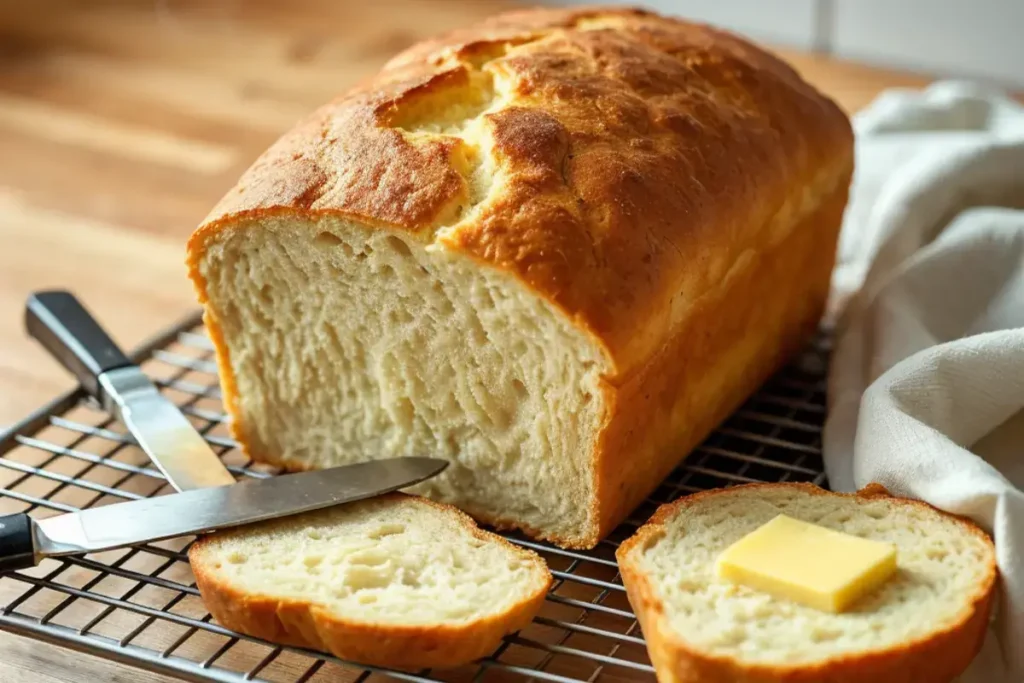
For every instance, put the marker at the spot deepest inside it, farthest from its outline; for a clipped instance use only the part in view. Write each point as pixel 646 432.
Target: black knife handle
pixel 17 550
pixel 69 332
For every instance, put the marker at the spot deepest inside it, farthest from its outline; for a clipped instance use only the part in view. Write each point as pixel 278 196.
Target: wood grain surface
pixel 123 121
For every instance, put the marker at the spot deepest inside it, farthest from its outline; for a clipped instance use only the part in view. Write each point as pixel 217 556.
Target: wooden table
pixel 123 121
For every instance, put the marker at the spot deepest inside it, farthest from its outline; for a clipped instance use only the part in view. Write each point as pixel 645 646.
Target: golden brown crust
pixel 636 161
pixel 736 337
pixel 676 191
pixel 937 658
pixel 302 623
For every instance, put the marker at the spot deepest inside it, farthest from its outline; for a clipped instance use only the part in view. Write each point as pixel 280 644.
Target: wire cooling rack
pixel 140 606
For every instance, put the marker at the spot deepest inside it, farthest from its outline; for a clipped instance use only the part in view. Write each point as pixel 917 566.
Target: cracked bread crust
pixel 674 191
pixel 635 157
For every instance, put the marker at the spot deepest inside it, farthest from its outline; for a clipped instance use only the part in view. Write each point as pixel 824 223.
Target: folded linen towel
pixel 926 386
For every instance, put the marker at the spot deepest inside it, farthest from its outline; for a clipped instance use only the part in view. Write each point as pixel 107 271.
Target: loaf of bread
pixel 394 581
pixel 555 249
pixel 924 625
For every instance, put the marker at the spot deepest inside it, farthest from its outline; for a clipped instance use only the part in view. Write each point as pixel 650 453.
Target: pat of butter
pixel 807 563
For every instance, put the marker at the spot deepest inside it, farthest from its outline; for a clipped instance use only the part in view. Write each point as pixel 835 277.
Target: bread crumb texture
pixel 349 345
pixel 377 562
pixel 942 564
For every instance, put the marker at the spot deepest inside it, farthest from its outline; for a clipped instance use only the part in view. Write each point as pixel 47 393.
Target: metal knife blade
pixel 24 542
pixel 70 333
pixel 167 437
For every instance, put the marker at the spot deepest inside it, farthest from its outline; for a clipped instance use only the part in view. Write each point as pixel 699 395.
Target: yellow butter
pixel 807 563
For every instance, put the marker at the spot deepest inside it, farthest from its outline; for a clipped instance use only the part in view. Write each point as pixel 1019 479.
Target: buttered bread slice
pixel 395 581
pixel 923 625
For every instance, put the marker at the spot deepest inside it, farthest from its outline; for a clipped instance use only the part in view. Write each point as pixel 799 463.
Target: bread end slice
pixel 396 581
pixel 924 626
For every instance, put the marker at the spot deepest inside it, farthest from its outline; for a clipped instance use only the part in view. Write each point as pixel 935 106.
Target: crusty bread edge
pixel 302 623
pixel 937 658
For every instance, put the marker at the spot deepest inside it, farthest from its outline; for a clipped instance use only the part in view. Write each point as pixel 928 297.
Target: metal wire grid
pixel 140 605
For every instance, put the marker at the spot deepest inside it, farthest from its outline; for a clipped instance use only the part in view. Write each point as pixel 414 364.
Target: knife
pixel 70 333
pixel 24 542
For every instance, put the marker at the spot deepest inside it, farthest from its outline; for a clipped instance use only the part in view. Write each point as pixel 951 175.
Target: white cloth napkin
pixel 926 388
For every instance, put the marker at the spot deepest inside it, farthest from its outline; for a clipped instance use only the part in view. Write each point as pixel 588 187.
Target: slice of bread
pixel 923 626
pixel 394 581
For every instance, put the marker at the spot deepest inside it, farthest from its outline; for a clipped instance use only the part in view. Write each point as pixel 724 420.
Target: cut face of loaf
pixel 348 344
pixel 394 581
pixel 556 249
